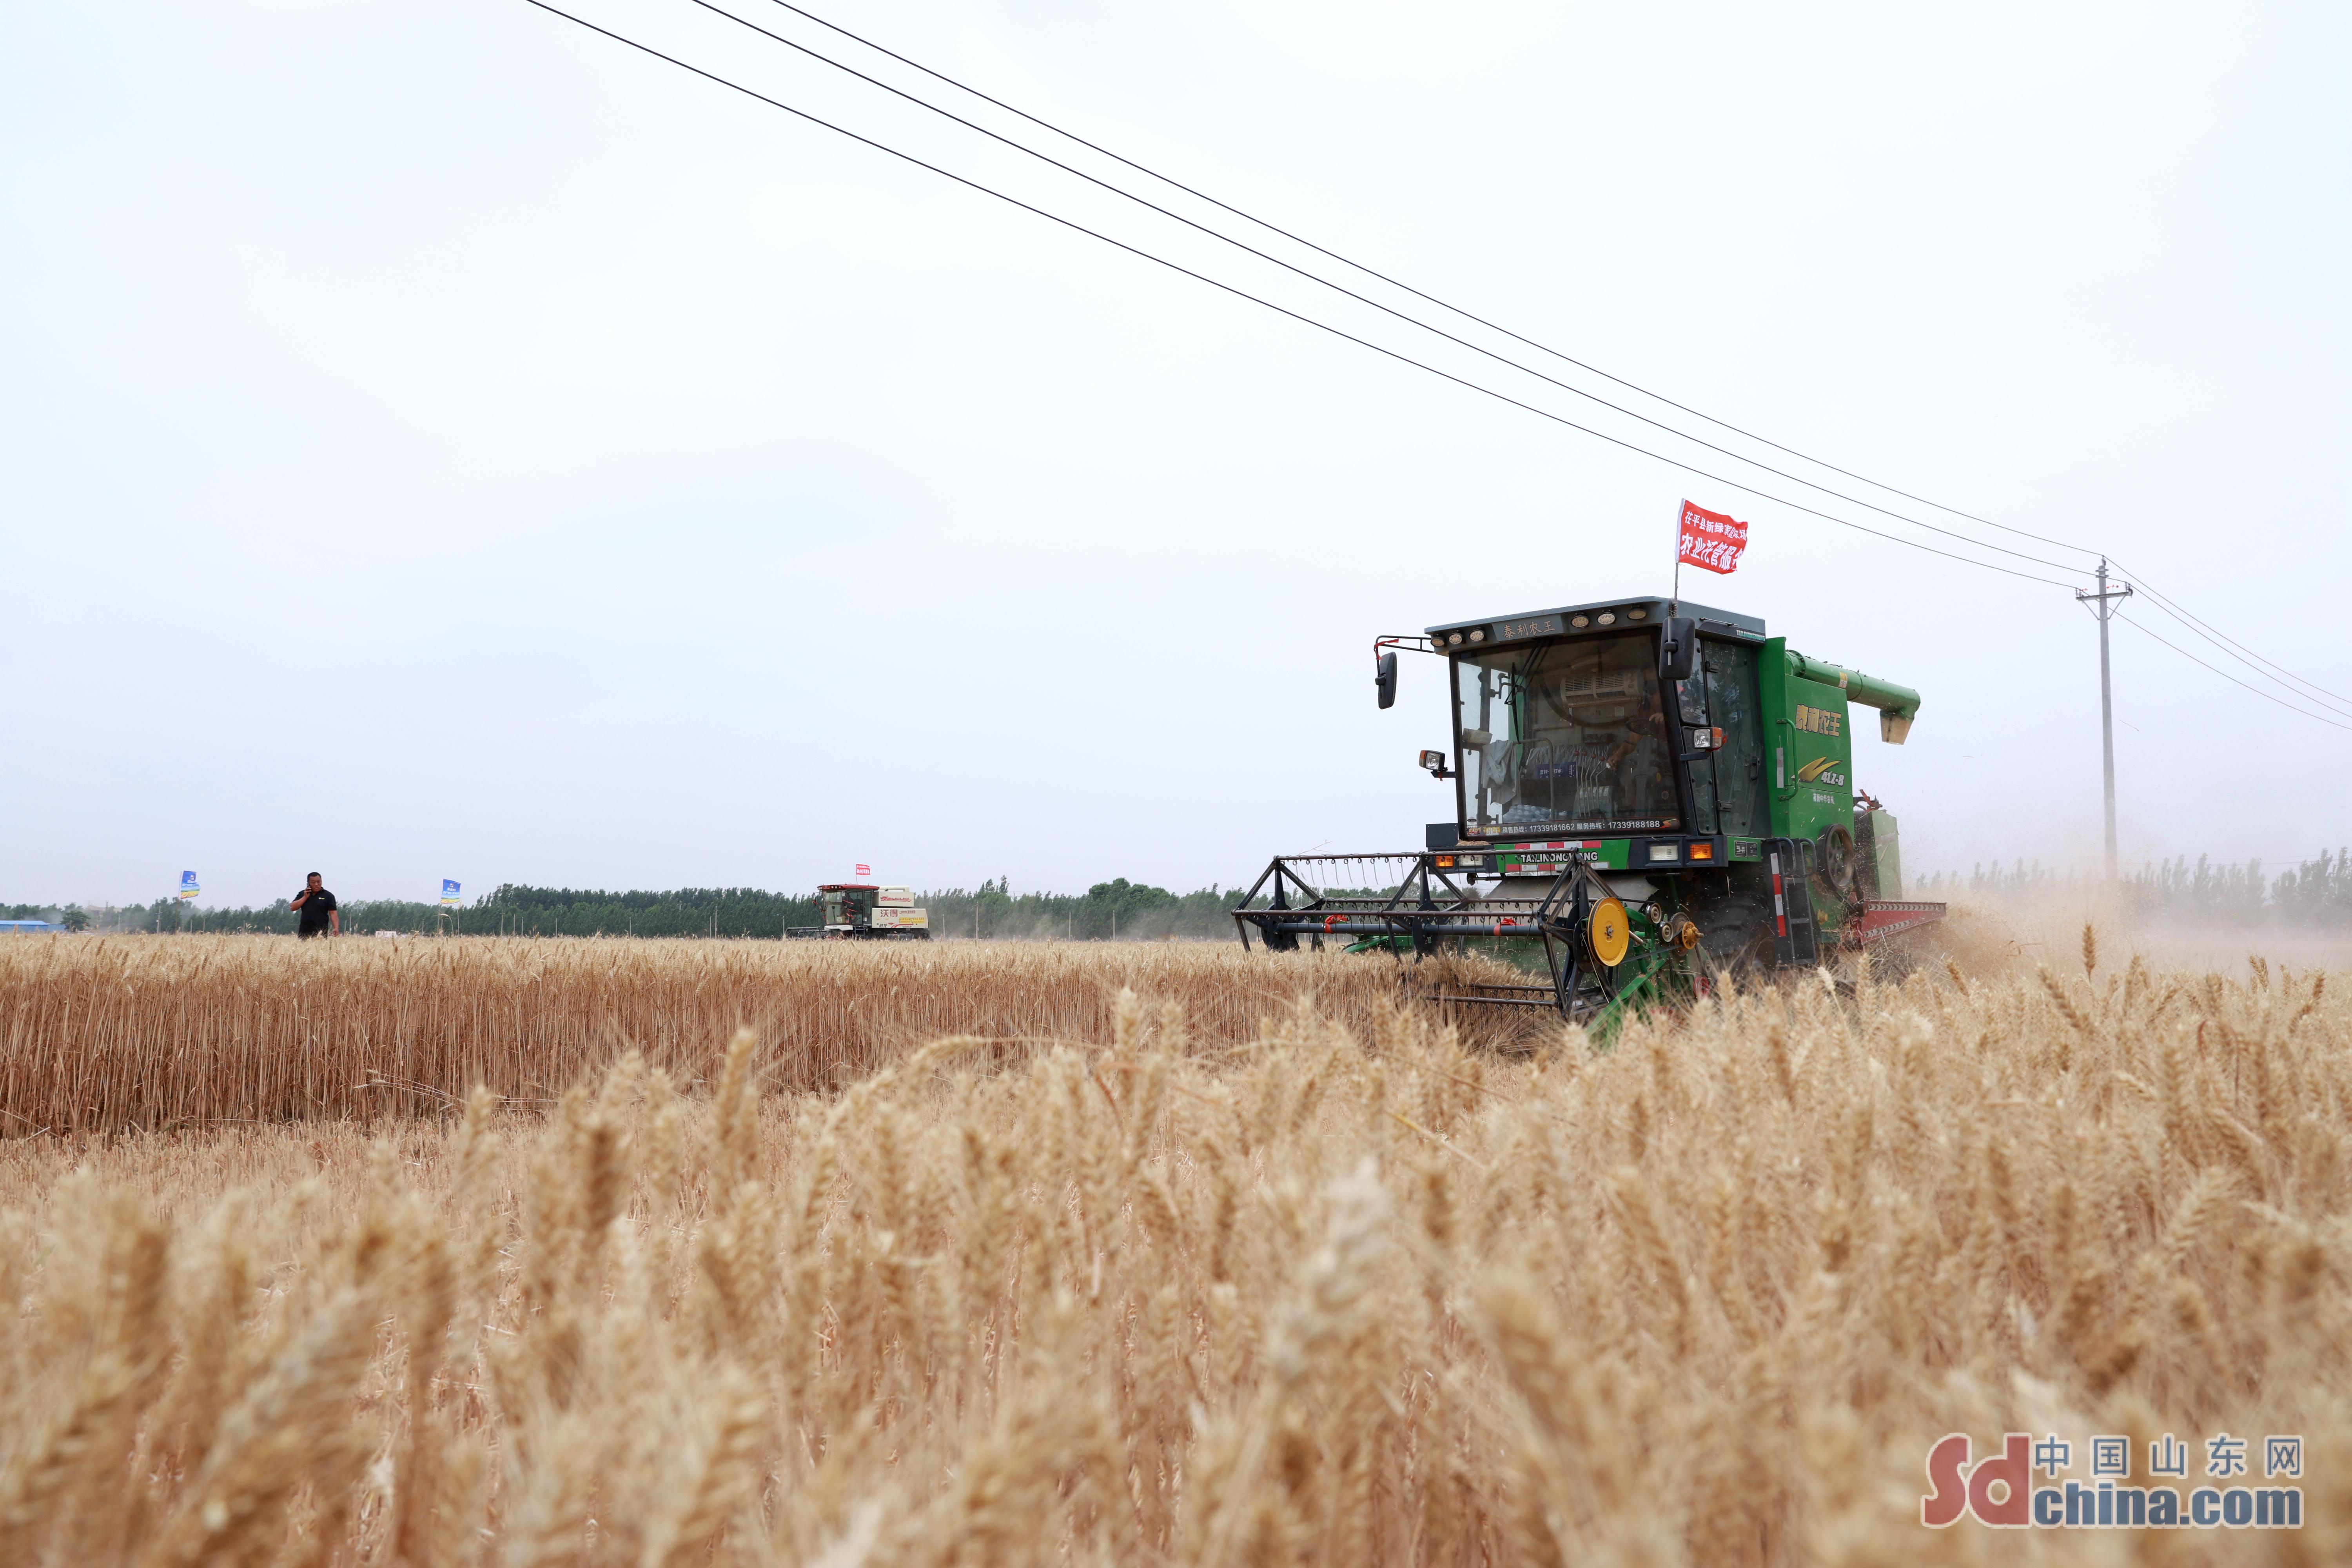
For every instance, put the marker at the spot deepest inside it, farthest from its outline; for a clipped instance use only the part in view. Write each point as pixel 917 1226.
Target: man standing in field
pixel 318 911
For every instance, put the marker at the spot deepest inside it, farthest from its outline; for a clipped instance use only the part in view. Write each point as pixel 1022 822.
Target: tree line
pixel 2317 890
pixel 1118 909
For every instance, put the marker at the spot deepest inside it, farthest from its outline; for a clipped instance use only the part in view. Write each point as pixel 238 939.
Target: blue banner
pixel 448 891
pixel 188 888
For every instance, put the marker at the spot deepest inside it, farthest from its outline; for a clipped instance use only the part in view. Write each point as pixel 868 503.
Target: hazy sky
pixel 437 441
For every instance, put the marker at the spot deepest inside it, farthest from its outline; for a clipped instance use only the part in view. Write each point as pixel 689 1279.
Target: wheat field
pixel 103 1034
pixel 1337 1288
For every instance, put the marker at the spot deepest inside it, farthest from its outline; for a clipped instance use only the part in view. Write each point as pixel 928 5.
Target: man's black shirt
pixel 315 911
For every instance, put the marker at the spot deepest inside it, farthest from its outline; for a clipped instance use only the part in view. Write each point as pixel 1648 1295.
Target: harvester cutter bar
pixel 1337 924
pixel 1879 919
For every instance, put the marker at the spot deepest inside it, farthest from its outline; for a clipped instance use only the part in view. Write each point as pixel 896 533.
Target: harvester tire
pixel 1833 854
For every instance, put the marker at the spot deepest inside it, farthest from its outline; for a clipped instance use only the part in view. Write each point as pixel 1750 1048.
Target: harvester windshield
pixel 1565 738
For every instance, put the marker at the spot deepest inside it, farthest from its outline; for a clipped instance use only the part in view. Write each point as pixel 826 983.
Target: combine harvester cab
pixel 1652 794
pixel 868 910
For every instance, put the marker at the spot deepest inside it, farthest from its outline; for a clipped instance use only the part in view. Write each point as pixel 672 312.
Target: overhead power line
pixel 1284 310
pixel 1393 282
pixel 2227 676
pixel 2264 667
pixel 1341 288
pixel 2253 662
pixel 2242 653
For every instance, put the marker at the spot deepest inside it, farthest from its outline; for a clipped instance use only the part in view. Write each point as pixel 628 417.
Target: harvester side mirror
pixel 1678 649
pixel 1386 680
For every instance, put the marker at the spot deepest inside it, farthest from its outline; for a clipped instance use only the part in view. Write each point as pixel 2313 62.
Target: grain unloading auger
pixel 1646 793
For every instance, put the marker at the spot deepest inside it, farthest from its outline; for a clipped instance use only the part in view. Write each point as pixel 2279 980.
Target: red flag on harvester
pixel 1711 540
pixel 866 870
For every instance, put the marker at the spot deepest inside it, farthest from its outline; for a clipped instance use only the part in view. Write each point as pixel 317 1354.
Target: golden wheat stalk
pixel 1353 1291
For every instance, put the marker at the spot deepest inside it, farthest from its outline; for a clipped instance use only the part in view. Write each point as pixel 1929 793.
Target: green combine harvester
pixel 1649 795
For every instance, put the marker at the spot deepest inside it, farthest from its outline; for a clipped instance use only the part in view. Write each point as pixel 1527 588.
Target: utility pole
pixel 2102 605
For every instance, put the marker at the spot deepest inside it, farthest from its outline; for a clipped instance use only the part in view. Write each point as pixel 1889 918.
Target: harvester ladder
pixel 1796 938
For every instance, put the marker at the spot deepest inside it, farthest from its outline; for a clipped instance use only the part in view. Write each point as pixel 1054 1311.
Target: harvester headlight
pixel 1454 640
pixel 1479 636
pixel 1608 617
pixel 1637 615
pixel 1579 620
pixel 1666 851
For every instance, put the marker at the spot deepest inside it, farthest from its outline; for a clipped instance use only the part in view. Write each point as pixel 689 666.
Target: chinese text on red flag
pixel 1711 540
